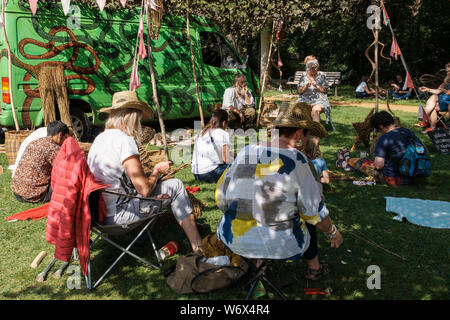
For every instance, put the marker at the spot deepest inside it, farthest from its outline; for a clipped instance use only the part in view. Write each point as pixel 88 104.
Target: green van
pixel 96 49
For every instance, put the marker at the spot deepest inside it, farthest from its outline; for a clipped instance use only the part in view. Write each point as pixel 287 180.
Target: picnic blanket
pixel 427 213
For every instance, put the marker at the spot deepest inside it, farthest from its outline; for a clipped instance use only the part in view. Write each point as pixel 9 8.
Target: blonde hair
pixel 311 147
pixel 126 120
pixel 308 58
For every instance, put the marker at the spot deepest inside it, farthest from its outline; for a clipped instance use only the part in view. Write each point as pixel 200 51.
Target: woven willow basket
pixel 13 140
pixel 85 146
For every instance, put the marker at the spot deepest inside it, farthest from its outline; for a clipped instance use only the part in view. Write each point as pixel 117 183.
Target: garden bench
pixel 333 78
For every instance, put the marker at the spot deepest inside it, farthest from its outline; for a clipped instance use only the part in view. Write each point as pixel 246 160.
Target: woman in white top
pixel 211 153
pixel 363 90
pixel 114 159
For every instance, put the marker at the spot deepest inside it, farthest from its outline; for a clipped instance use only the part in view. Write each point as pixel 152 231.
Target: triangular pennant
pixel 280 63
pixel 395 49
pixel 142 53
pixel 33 6
pixel 65 6
pixel 101 4
pixel 135 82
pixel 408 82
pixel 152 4
pixel 123 2
pixel 385 17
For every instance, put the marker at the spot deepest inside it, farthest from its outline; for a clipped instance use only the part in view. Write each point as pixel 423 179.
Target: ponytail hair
pixel 311 147
pixel 217 118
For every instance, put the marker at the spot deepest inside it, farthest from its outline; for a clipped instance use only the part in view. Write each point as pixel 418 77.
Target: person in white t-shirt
pixel 363 90
pixel 211 153
pixel 114 159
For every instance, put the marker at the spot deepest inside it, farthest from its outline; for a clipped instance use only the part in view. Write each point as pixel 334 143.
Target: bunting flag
pixel 408 82
pixel 280 63
pixel 385 17
pixel 395 49
pixel 142 53
pixel 135 82
pixel 101 4
pixel 123 2
pixel 65 6
pixel 152 4
pixel 33 6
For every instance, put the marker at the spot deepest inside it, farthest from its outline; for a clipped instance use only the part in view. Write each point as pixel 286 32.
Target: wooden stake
pixel 154 87
pixel 265 75
pixel 13 109
pixel 193 67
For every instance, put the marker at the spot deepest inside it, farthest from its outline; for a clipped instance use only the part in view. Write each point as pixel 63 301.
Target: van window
pixel 216 52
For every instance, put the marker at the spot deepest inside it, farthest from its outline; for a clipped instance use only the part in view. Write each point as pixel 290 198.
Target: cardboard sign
pixel 441 140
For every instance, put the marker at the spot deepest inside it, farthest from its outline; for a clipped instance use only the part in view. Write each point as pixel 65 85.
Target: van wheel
pixel 81 124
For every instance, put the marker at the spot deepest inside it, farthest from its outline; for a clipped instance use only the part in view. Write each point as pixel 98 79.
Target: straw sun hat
pixel 129 100
pixel 298 115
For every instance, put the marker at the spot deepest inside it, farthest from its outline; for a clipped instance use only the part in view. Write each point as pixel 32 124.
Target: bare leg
pixel 433 119
pixel 313 264
pixel 190 229
pixel 315 113
pixel 431 104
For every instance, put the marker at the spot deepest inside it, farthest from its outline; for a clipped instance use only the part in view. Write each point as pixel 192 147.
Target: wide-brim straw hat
pixel 129 100
pixel 298 115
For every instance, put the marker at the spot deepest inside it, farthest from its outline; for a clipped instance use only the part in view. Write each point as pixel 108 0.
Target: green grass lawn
pixel 345 93
pixel 414 260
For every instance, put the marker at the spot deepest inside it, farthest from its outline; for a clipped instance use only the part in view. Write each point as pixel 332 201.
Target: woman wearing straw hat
pixel 114 159
pixel 313 88
pixel 272 199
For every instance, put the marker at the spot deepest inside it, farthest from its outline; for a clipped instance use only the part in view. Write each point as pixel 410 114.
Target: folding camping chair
pixel 260 274
pixel 442 118
pixel 103 231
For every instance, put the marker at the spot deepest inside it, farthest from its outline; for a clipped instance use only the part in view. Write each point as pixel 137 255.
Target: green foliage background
pixel 337 34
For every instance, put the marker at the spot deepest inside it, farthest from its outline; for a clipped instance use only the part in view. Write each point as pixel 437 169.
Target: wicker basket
pixel 13 140
pixel 85 146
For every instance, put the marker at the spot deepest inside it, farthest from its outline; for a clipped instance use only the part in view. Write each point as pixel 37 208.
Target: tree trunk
pixel 265 35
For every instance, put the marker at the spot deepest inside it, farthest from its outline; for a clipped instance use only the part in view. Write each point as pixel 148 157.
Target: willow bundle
pixel 150 157
pixel 46 91
pixel 156 17
pixel 53 89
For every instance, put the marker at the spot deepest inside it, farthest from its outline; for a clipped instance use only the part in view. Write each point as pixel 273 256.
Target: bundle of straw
pixel 156 16
pixel 53 89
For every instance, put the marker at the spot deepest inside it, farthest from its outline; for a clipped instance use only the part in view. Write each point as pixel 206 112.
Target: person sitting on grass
pixel 114 160
pixel 311 149
pixel 390 148
pixel 272 201
pixel 397 91
pixel 211 153
pixel 31 179
pixel 362 90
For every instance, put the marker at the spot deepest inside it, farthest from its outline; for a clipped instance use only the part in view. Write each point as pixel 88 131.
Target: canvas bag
pixel 415 162
pixel 193 275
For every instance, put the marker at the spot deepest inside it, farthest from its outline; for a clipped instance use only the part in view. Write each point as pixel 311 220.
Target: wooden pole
pixel 264 77
pixel 154 87
pixel 13 109
pixel 376 69
pixel 193 67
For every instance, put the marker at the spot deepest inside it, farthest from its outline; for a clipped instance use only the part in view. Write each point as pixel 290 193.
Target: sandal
pixel 422 124
pixel 317 274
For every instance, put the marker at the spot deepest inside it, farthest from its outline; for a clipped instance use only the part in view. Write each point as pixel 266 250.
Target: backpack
pixel 415 162
pixel 191 274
